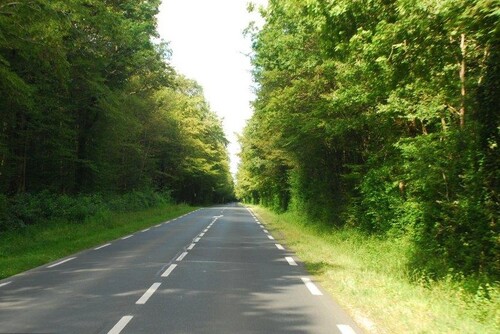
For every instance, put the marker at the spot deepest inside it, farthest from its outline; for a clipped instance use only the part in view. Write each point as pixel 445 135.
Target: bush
pixel 28 209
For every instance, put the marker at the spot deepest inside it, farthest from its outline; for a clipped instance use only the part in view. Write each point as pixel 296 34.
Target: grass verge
pixel 369 277
pixel 35 245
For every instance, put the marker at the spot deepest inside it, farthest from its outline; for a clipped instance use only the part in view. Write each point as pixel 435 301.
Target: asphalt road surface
pixel 215 270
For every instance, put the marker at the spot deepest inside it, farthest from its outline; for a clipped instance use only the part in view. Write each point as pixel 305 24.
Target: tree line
pixel 382 115
pixel 89 103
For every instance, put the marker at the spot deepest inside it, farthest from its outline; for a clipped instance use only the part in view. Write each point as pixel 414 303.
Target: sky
pixel 208 45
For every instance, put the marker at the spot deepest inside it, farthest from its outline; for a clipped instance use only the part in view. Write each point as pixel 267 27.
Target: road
pixel 215 270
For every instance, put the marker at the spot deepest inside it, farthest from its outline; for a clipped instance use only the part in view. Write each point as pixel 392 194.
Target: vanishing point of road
pixel 215 270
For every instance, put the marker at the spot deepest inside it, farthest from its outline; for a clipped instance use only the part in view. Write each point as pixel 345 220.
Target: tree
pixel 379 113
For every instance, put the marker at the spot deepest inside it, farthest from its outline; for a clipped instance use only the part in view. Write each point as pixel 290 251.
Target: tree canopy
pixel 89 103
pixel 382 115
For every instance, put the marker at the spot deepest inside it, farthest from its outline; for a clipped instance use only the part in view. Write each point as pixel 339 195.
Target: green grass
pixel 35 245
pixel 369 277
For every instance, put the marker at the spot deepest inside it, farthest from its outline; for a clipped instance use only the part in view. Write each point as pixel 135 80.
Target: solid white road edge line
pixel 128 236
pixel 279 247
pixel 61 262
pixel 106 245
pixel 270 237
pixel 191 246
pixel 290 261
pixel 148 294
pixel 346 329
pixel 313 289
pixel 120 325
pixel 182 256
pixel 4 284
pixel 147 229
pixel 169 270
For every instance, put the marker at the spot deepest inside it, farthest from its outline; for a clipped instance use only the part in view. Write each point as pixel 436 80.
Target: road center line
pixel 205 230
pixel 182 256
pixel 279 247
pixel 191 246
pixel 270 237
pixel 106 245
pixel 120 325
pixel 197 239
pixel 313 289
pixel 202 234
pixel 346 329
pixel 290 261
pixel 148 294
pixel 169 270
pixel 128 236
pixel 61 262
pixel 4 284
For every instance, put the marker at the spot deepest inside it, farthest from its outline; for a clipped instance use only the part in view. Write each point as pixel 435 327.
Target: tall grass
pixel 371 277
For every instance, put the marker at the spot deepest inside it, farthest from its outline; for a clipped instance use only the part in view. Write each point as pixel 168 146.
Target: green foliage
pixel 382 115
pixel 90 104
pixel 29 209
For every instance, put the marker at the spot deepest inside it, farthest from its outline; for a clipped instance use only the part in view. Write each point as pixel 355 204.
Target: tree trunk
pixel 462 82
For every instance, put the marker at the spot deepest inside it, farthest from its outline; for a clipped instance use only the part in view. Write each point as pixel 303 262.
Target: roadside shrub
pixel 28 209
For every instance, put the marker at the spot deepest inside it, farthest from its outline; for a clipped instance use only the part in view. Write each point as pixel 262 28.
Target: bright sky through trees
pixel 209 47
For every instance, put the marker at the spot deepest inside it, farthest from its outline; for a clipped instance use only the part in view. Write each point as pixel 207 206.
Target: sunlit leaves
pixel 89 103
pixel 377 112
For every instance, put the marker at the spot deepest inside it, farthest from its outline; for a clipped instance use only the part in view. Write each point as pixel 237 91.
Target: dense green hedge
pixel 28 209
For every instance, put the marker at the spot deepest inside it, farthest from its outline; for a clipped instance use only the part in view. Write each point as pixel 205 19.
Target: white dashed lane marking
pixel 313 289
pixel 181 257
pixel 120 325
pixel 4 284
pixel 148 294
pixel 346 329
pixel 106 245
pixel 279 247
pixel 61 262
pixel 290 261
pixel 169 270
pixel 191 246
pixel 270 237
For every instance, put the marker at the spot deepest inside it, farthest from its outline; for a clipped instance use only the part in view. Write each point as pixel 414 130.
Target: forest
pixel 91 109
pixel 382 116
